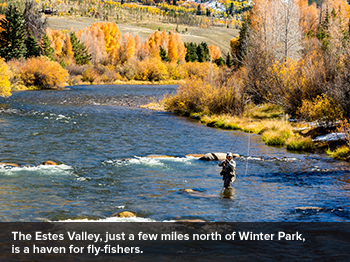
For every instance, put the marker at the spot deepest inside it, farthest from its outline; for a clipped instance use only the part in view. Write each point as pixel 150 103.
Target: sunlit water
pixel 90 129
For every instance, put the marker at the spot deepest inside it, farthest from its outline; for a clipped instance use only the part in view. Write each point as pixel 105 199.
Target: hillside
pixel 218 36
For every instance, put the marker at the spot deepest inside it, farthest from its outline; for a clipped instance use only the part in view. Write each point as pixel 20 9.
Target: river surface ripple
pixel 91 128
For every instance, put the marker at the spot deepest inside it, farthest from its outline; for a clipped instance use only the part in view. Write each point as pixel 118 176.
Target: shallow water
pixel 91 128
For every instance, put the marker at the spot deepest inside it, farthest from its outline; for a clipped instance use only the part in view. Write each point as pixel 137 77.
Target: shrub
pixel 5 84
pixel 300 144
pixel 176 71
pixel 344 127
pixel 75 70
pixel 263 111
pixel 273 138
pixel 341 153
pixel 43 73
pixel 90 75
pixel 201 70
pixel 323 110
pixel 152 70
pixel 207 97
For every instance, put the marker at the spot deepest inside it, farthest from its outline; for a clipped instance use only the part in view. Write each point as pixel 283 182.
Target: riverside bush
pixel 300 144
pixel 206 96
pixel 5 84
pixel 323 110
pixel 42 73
pixel 340 153
pixel 273 138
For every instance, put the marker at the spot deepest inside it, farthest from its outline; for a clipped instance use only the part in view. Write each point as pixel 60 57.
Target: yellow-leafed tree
pixel 5 84
pixel 127 48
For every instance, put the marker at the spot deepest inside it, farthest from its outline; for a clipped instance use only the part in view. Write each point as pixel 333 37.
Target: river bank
pixel 275 128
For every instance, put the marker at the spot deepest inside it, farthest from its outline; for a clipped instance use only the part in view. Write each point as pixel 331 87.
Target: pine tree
pixel 81 55
pixel 163 55
pixel 201 53
pixel 47 49
pixel 324 27
pixel 229 62
pixel 191 53
pixel 206 51
pixel 242 47
pixel 33 48
pixel 220 61
pixel 13 35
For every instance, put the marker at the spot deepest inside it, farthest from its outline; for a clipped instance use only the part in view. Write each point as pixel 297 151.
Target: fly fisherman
pixel 228 170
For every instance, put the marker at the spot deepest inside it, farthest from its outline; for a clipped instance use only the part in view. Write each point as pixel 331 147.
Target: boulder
pixel 124 214
pixel 8 164
pixel 195 155
pixel 216 156
pixel 49 163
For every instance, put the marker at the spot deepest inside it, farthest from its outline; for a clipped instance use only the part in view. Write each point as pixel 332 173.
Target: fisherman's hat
pixel 229 154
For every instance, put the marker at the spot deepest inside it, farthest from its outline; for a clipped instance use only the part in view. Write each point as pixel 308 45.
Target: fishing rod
pixel 234 142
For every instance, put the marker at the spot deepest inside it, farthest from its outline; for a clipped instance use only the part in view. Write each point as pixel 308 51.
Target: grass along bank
pixel 266 120
pixel 274 132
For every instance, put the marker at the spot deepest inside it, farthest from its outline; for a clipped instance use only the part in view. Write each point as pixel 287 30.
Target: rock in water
pixel 9 164
pixel 195 155
pixel 50 163
pixel 124 214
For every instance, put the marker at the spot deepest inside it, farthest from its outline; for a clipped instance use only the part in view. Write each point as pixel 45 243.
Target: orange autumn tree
pixel 60 41
pixel 214 52
pixel 309 17
pixel 176 48
pixel 127 48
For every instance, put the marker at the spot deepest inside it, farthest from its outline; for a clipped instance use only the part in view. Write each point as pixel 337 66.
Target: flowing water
pixel 91 129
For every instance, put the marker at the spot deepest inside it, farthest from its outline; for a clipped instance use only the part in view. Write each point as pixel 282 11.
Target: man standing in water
pixel 228 170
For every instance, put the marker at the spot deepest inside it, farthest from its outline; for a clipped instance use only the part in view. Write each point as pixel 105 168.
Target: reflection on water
pixel 102 137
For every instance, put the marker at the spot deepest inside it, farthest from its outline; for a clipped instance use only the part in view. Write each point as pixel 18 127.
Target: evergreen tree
pixel 81 55
pixel 206 52
pixel 201 53
pixel 230 9
pixel 191 54
pixel 199 11
pixel 12 35
pixel 229 62
pixel 47 49
pixel 323 28
pixel 243 42
pixel 220 61
pixel 163 54
pixel 208 13
pixel 33 48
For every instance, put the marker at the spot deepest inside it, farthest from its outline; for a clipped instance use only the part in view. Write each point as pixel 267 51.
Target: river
pixel 90 129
